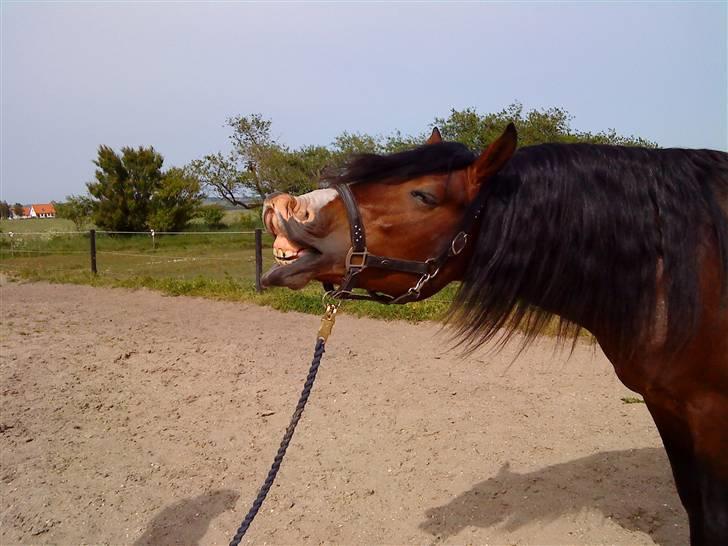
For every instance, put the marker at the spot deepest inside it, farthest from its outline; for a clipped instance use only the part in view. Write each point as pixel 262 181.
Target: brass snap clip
pixel 327 322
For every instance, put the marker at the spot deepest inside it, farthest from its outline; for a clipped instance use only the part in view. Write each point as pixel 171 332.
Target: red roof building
pixel 42 210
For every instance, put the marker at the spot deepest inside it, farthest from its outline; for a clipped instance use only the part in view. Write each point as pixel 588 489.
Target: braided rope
pixel 268 483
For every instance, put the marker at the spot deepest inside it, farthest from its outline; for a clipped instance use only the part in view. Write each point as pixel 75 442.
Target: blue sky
pixel 77 75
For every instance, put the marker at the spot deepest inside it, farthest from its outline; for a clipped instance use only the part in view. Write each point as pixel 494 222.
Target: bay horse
pixel 628 243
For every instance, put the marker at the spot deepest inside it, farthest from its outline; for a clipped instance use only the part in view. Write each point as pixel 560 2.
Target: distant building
pixel 44 210
pixel 41 210
pixel 22 216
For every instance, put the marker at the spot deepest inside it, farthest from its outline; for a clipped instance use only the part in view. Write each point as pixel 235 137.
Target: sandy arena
pixel 128 417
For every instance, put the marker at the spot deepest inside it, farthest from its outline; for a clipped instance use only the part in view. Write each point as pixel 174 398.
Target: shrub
pixel 212 216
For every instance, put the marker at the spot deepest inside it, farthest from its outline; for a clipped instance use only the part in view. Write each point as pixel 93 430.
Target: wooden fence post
pixel 258 259
pixel 92 238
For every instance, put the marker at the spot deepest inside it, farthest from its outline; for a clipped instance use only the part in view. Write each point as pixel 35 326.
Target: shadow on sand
pixel 633 488
pixel 186 522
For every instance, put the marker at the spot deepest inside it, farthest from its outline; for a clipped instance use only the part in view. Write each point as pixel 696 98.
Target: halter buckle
pixel 352 255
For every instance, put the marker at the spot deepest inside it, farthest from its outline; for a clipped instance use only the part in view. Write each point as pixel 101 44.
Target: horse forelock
pixel 440 158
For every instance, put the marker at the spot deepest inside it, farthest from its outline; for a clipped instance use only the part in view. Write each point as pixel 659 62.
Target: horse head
pixel 411 205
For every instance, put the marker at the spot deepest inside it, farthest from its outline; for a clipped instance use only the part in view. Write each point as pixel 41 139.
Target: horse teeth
pixel 284 260
pixel 284 254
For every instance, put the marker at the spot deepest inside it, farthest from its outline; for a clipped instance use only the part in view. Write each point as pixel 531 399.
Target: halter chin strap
pixel 359 258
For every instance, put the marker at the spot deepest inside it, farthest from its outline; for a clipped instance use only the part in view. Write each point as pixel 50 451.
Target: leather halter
pixel 359 258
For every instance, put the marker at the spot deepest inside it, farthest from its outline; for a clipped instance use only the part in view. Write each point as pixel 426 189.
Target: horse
pixel 628 243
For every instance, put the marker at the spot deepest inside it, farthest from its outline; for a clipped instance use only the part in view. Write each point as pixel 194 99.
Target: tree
pixel 296 171
pixel 17 209
pixel 212 215
pixel 534 127
pixel 175 201
pixel 347 144
pixel 219 174
pixel 258 165
pixel 124 187
pixel 4 210
pixel 242 175
pixel 77 208
pixel 312 162
pixel 397 142
pixel 133 194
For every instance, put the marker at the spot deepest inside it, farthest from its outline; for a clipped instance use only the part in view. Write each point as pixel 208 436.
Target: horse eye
pixel 426 198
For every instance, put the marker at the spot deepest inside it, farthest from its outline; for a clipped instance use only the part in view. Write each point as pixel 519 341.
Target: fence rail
pixel 187 253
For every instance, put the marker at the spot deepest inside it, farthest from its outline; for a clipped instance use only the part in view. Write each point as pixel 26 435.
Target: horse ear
pixel 435 137
pixel 496 155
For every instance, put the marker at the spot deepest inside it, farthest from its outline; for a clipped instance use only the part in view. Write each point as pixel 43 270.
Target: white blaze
pixel 315 200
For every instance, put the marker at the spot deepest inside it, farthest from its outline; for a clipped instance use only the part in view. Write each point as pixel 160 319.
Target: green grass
pixel 632 400
pixel 214 256
pixel 36 225
pixel 221 285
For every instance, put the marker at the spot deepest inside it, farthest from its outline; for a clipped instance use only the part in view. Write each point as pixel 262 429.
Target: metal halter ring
pixel 459 242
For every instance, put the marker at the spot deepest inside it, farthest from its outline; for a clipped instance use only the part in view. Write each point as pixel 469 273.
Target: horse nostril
pixel 268 218
pixel 292 205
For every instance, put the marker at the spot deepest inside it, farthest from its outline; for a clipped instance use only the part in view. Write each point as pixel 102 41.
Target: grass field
pixel 183 256
pixel 36 225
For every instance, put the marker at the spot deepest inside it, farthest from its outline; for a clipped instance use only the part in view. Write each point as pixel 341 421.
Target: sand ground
pixel 127 417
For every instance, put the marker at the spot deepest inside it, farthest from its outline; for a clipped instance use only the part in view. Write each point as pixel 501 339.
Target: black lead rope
pixel 327 323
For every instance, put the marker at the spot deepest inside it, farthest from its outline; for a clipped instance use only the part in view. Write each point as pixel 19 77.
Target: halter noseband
pixel 359 258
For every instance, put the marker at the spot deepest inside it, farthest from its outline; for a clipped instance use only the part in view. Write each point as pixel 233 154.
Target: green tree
pixel 296 171
pixel 212 215
pixel 17 209
pixel 397 142
pixel 219 174
pixel 534 127
pixel 77 208
pixel 4 210
pixel 313 161
pixel 242 176
pixel 258 165
pixel 131 193
pixel 347 144
pixel 175 201
pixel 124 187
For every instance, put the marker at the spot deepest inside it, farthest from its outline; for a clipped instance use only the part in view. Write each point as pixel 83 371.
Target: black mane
pixel 443 157
pixel 578 230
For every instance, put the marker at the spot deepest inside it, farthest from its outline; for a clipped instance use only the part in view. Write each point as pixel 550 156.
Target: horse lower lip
pixel 282 274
